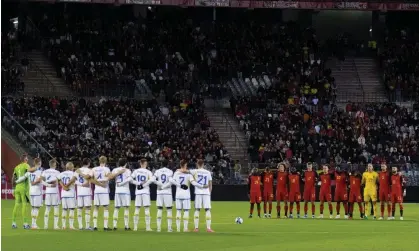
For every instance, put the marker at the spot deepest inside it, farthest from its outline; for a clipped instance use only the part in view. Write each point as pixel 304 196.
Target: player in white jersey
pixel 100 177
pixel 84 193
pixel 182 179
pixel 52 199
pixel 164 196
pixel 142 178
pixel 122 193
pixel 202 195
pixel 35 190
pixel 68 194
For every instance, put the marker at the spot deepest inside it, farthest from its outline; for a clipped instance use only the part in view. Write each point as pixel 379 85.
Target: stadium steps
pixel 370 80
pixel 42 79
pixel 233 139
pixel 13 143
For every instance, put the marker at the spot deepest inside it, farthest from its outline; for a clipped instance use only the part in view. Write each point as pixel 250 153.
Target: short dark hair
pixel 183 163
pixel 86 162
pixel 200 162
pixel 142 161
pixel 122 161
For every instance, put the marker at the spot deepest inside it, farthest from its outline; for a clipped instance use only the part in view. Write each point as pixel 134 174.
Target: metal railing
pixel 357 77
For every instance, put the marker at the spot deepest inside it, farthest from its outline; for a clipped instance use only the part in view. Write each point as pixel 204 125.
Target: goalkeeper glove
pixel 184 187
pixel 139 187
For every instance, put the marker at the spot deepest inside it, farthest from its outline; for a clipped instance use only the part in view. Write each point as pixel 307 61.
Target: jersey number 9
pixel 163 178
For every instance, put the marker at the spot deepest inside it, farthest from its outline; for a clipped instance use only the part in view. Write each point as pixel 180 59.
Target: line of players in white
pixel 82 178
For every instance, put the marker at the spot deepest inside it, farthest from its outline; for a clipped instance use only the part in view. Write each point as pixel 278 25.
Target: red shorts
pixel 294 196
pixel 341 195
pixel 355 196
pixel 255 197
pixel 396 198
pixel 325 195
pixel 268 195
pixel 384 196
pixel 281 195
pixel 310 194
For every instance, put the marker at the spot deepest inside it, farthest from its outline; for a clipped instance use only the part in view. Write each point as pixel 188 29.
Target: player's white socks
pixel 46 216
pixel 115 217
pixel 159 216
pixel 196 219
pixel 105 217
pixel 71 218
pixel 56 216
pixel 126 217
pixel 35 212
pixel 64 218
pixel 79 217
pixel 208 218
pixel 147 217
pixel 169 219
pixel 136 217
pixel 87 217
pixel 185 220
pixel 95 214
pixel 178 216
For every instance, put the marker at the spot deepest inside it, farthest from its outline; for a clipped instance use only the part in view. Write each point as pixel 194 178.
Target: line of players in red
pixel 288 191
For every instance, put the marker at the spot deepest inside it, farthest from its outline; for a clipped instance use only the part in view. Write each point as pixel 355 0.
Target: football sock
pixel 87 217
pixel 115 217
pixel 208 218
pixel 298 207
pixel 382 209
pixel 159 216
pixel 270 207
pixel 305 207
pixel 401 209
pixel 361 209
pixel 178 215
pixel 258 208
pixel 278 208
pixel 185 219
pixel 313 208
pixel 79 217
pixel 196 219
pixel 252 206
pixel 330 208
pixel 34 216
pixel 95 214
pixel 169 218
pixel 286 209
pixel 71 218
pixel 64 218
pixel 56 216
pixel 291 207
pixel 126 217
pixel 338 207
pixel 351 209
pixel 345 206
pixel 374 207
pixel 136 217
pixel 105 217
pixel 388 209
pixel 321 207
pixel 46 216
pixel 147 217
pixel 264 207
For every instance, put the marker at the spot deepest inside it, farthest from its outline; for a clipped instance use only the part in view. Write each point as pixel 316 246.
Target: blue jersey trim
pixel 67 197
pixel 35 195
pixel 83 195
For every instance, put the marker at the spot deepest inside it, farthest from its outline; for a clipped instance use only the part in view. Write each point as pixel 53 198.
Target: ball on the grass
pixel 239 220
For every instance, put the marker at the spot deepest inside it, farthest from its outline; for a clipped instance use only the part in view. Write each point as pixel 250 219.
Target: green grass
pixel 254 234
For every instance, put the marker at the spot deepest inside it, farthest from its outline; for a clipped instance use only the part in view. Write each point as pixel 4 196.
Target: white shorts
pixel 101 199
pixel 52 199
pixel 202 201
pixel 68 203
pixel 142 200
pixel 84 201
pixel 164 200
pixel 122 200
pixel 184 204
pixel 35 200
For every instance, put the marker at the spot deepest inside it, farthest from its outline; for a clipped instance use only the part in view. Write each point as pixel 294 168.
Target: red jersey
pixel 355 183
pixel 341 180
pixel 384 181
pixel 268 181
pixel 325 181
pixel 254 183
pixel 310 179
pixel 281 181
pixel 294 180
pixel 396 183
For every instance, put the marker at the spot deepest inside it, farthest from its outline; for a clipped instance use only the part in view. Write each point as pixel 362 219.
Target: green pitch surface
pixel 254 234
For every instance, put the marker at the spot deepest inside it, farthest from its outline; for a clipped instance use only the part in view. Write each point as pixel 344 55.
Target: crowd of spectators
pixel 11 71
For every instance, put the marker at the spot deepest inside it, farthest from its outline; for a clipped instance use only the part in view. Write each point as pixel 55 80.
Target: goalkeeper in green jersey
pixel 21 191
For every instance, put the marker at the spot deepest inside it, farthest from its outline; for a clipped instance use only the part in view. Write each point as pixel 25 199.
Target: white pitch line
pixel 314 232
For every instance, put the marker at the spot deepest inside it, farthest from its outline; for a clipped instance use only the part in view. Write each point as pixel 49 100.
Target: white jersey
pixel 202 177
pixel 81 190
pixel 183 179
pixel 65 178
pixel 122 178
pixel 34 190
pixel 51 175
pixel 164 175
pixel 142 175
pixel 100 172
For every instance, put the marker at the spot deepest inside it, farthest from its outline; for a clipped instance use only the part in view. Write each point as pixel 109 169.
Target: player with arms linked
pixel 268 193
pixel 281 190
pixel 397 192
pixel 325 191
pixel 294 179
pixel 355 178
pixel 255 191
pixel 384 190
pixel 164 196
pixel 310 179
pixel 370 179
pixel 341 193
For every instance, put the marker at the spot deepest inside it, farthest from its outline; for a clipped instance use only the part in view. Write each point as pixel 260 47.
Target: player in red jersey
pixel 294 194
pixel 268 193
pixel 355 178
pixel 310 179
pixel 384 190
pixel 255 192
pixel 325 191
pixel 281 190
pixel 341 193
pixel 397 192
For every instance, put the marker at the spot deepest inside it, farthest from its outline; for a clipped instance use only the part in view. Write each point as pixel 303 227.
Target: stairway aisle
pixel 227 128
pixel 369 75
pixel 36 83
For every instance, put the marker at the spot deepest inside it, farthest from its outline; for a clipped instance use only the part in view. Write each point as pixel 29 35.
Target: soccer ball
pixel 239 220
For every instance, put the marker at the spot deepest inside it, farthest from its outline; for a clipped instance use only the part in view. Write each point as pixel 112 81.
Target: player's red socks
pixel 321 207
pixel 270 207
pixel 313 208
pixel 338 207
pixel 305 207
pixel 252 206
pixel 382 209
pixel 264 207
pixel 298 207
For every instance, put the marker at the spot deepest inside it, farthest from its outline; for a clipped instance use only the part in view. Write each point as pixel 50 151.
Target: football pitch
pixel 253 234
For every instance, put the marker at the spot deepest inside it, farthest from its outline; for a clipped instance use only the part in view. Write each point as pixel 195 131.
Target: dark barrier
pixel 9 159
pixel 239 193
